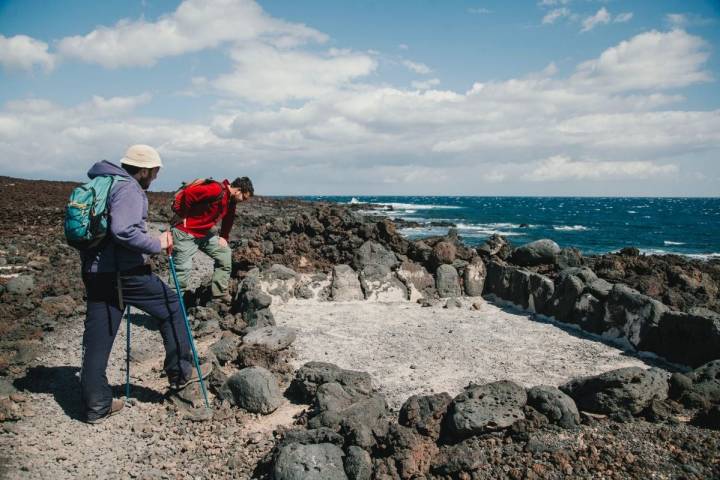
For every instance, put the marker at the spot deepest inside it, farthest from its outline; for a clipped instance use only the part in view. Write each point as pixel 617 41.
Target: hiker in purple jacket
pixel 117 273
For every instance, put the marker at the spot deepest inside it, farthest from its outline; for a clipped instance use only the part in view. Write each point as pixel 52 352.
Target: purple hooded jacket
pixel 129 243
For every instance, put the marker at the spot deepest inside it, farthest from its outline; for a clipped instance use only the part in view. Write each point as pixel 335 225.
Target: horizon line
pixel 407 195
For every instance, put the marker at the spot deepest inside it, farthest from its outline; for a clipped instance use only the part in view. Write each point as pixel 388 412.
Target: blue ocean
pixel 686 226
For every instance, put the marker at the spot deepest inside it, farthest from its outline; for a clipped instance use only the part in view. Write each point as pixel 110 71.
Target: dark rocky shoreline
pixel 625 423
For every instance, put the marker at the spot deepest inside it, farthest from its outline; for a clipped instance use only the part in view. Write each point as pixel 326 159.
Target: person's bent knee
pixel 224 258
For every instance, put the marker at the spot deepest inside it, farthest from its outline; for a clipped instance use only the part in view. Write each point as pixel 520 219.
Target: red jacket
pixel 207 212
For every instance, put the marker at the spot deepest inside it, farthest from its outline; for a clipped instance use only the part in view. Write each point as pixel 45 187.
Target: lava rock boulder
pixel 554 404
pixel 254 389
pixel 539 252
pixel 485 408
pixel 625 390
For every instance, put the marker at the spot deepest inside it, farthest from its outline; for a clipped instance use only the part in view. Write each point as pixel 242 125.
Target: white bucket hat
pixel 142 156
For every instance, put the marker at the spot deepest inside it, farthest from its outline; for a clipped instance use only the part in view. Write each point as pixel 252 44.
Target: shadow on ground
pixel 647 358
pixel 63 383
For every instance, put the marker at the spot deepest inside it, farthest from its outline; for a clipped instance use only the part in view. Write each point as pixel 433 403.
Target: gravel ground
pixel 147 440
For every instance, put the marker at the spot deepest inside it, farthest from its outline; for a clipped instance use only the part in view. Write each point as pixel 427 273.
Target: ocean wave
pixel 697 256
pixel 416 206
pixel 570 228
pixel 354 201
pixel 471 231
pixel 702 256
pixel 491 225
pixel 668 242
pixel 631 211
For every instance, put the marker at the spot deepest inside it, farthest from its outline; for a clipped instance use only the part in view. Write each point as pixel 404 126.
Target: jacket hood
pixel 106 168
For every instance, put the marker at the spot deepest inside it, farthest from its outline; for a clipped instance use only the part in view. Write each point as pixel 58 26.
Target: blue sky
pixel 552 97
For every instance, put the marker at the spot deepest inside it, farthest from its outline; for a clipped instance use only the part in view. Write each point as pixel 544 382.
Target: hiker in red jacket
pixel 199 206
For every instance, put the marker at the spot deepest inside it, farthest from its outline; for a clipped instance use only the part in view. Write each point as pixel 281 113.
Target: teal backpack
pixel 86 214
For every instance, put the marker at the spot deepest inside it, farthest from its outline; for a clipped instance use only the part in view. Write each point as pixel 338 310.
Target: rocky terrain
pixel 626 423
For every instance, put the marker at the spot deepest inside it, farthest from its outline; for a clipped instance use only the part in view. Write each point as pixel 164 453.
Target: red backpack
pixel 183 210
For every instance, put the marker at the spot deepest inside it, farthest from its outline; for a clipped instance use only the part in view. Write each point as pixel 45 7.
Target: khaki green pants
pixel 186 246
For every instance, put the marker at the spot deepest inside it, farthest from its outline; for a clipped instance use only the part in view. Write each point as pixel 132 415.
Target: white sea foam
pixel 631 211
pixel 668 242
pixel 466 230
pixel 570 228
pixel 354 201
pixel 697 256
pixel 703 256
pixel 487 225
pixel 416 206
pixel 485 231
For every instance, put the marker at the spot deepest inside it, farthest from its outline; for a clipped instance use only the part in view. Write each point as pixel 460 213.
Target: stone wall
pixel 577 296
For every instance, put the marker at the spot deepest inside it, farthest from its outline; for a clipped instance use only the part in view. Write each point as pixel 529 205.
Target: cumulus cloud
pixel 195 25
pixel 316 120
pixel 266 74
pixel 651 60
pixel 601 17
pixel 23 53
pixel 417 67
pixel 268 63
pixel 42 138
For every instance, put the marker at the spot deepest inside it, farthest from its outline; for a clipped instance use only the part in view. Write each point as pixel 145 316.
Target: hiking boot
pixel 224 298
pixel 206 368
pixel 115 407
pixel 220 304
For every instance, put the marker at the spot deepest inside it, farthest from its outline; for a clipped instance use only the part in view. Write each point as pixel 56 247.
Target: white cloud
pixel 417 67
pixel 561 167
pixel 479 11
pixel 651 60
pixel 403 46
pixel 267 74
pixel 554 15
pixel 623 17
pixel 23 53
pixel 195 25
pixel 601 17
pixel 425 84
pixel 307 120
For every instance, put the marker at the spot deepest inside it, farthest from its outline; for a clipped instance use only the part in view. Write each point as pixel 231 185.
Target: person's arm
pixel 126 207
pixel 227 220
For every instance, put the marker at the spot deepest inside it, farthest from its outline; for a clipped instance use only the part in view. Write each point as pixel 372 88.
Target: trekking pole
pixel 127 357
pixel 187 327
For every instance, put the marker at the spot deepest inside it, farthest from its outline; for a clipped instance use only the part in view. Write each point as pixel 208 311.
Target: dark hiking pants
pixel 146 292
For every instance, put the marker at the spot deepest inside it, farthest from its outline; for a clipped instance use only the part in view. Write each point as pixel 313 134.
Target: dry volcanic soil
pixel 348 351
